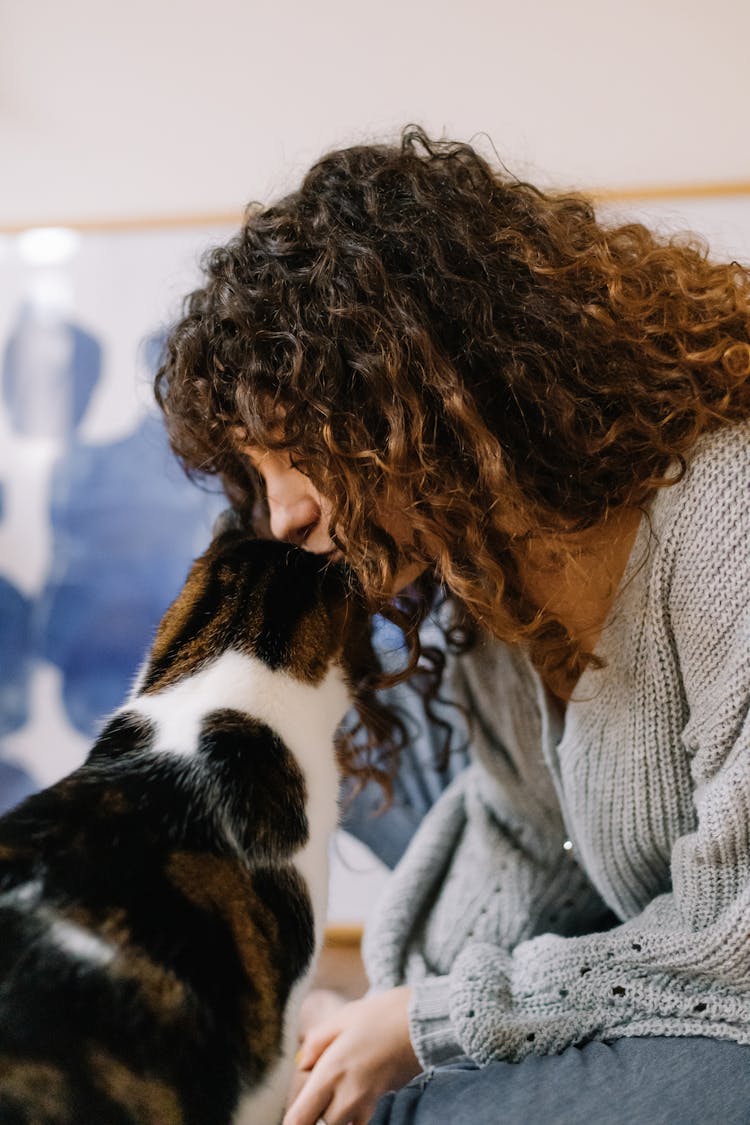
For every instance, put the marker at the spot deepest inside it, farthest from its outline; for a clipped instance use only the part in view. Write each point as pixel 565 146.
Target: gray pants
pixel 652 1081
pixel 638 1081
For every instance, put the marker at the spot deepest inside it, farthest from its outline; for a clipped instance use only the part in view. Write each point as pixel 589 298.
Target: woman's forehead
pixel 257 444
pixel 265 460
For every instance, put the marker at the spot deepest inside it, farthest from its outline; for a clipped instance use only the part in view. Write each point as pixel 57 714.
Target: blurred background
pixel 131 138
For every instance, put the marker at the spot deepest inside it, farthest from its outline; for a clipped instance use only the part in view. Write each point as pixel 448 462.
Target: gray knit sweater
pixel 490 913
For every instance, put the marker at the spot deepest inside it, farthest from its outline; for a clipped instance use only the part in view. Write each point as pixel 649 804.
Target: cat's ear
pixel 350 623
pixel 334 587
pixel 232 519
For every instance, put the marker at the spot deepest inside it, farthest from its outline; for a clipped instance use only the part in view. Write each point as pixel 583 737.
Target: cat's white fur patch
pixel 304 716
pixel 67 936
pixel 80 943
pixel 243 683
pixel 24 894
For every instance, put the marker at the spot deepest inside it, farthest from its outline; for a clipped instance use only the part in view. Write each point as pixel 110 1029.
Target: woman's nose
pixel 294 521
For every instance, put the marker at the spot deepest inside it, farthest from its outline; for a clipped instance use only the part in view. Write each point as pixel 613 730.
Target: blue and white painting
pixel 98 524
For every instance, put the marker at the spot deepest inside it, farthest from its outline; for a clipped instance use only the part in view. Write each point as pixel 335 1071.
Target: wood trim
pixel 341 936
pixel 720 189
pixel 674 191
pixel 128 225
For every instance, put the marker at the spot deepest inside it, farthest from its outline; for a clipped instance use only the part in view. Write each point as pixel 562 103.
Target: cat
pixel 162 907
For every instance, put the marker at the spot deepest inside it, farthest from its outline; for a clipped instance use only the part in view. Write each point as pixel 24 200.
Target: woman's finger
pixel 299 1078
pixel 311 1103
pixel 346 1109
pixel 315 1043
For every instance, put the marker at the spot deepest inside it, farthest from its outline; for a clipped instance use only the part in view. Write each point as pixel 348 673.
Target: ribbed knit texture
pixel 489 916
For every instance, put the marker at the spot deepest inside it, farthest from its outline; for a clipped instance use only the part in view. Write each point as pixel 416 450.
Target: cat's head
pixel 295 611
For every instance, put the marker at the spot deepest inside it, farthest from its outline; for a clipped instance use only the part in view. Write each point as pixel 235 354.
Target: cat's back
pixel 161 907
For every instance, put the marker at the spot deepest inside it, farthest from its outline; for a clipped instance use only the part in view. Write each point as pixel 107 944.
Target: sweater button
pixel 567 845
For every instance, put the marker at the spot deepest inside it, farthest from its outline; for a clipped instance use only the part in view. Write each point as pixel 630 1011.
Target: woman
pixel 455 380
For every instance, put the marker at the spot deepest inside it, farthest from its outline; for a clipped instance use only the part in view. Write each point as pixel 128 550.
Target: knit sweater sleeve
pixel 681 966
pixel 507 890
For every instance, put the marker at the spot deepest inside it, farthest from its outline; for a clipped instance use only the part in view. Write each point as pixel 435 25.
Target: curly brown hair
pixel 491 360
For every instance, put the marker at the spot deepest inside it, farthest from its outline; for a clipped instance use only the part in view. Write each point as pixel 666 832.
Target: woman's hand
pixel 354 1056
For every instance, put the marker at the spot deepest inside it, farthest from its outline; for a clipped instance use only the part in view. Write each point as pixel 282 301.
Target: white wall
pixel 172 107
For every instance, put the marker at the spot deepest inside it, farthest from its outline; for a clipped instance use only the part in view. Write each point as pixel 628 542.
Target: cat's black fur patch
pixel 263 784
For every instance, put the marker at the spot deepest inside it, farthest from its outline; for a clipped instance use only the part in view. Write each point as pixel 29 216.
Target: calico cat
pixel 161 907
